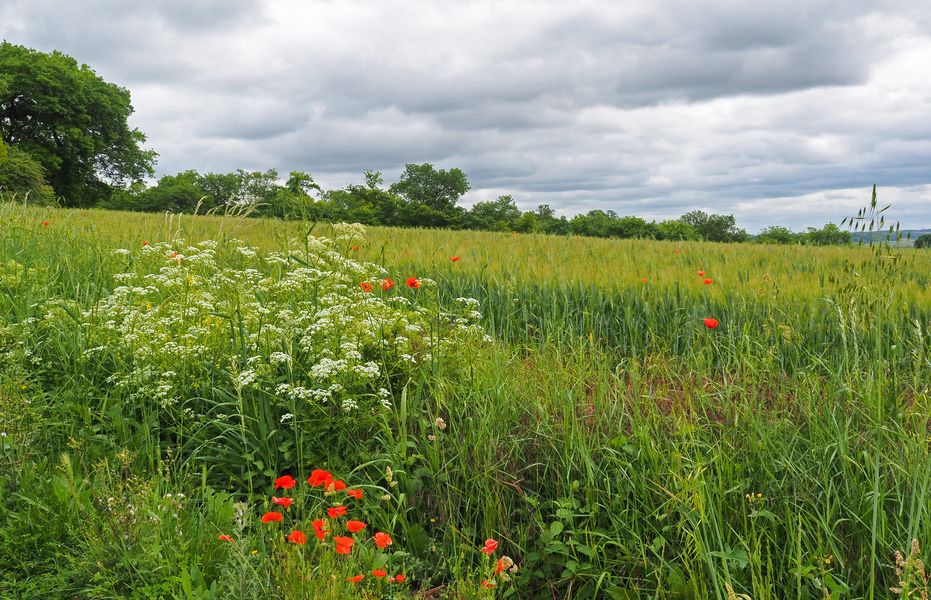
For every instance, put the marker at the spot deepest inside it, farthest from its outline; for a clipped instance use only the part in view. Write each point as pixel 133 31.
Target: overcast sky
pixel 779 112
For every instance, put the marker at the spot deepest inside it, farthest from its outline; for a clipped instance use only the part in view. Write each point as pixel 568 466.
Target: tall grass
pixel 616 446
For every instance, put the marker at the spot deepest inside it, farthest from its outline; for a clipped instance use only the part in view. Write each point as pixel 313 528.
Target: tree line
pixel 425 196
pixel 65 138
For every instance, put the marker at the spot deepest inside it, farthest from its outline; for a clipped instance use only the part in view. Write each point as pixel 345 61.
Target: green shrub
pixel 22 178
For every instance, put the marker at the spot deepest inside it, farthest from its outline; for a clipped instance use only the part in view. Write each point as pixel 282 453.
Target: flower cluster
pixel 504 566
pixel 293 326
pixel 337 532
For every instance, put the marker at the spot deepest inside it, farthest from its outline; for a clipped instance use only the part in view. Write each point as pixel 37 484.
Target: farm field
pixel 544 417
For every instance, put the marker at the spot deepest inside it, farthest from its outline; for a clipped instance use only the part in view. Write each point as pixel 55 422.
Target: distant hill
pixel 908 236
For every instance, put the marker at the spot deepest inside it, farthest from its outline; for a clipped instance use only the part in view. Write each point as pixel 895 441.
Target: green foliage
pixel 828 235
pixel 715 228
pixel 548 222
pixel 777 235
pixel 438 189
pixel 22 177
pixel 72 122
pixel 676 230
pixel 923 241
pixel 494 215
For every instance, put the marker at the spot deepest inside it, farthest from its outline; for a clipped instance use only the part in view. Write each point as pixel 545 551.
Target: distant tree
pixel 676 230
pixel 828 235
pixel 695 218
pixel 527 223
pixel 776 234
pixel 359 204
pixel 439 190
pixel 258 191
pixel 291 205
pixel 219 189
pixel 256 187
pixel 923 241
pixel 632 227
pixel 301 183
pixel 594 223
pixel 599 223
pixel 416 214
pixel 172 193
pixel 373 179
pixel 548 222
pixel 715 228
pixel 501 214
pixel 71 122
pixel 367 204
pixel 22 177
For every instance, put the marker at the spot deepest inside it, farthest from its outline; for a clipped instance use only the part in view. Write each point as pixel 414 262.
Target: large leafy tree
pixel 71 122
pixel 438 189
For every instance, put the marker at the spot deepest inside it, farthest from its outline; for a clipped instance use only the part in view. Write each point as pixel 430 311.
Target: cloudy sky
pixel 781 112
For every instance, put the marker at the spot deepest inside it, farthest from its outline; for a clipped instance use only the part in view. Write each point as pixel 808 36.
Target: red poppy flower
pixel 711 323
pixel 383 540
pixel 488 584
pixel 337 486
pixel 643 280
pixel 297 537
pixel 355 526
pixel 319 530
pixel 500 566
pixel 319 478
pixel 272 516
pixel 413 283
pixel 386 284
pixel 343 544
pixel 701 273
pixel 285 502
pixel 399 578
pixel 709 281
pixel 490 546
pixel 455 258
pixel 366 286
pixel 336 512
pixel 286 481
pixel 225 538
pixel 356 248
pixel 45 223
pixel 379 572
pixel 355 578
pixel 357 494
pixel 145 242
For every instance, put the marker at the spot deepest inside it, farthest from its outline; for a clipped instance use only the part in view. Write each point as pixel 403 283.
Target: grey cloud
pixel 648 108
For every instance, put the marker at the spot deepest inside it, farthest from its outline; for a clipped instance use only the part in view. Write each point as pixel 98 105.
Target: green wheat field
pixel 544 417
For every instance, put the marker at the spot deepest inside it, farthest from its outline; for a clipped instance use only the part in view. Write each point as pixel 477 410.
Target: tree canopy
pixel 437 189
pixel 715 228
pixel 71 122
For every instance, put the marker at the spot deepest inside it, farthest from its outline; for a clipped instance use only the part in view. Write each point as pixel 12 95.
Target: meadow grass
pixel 614 445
